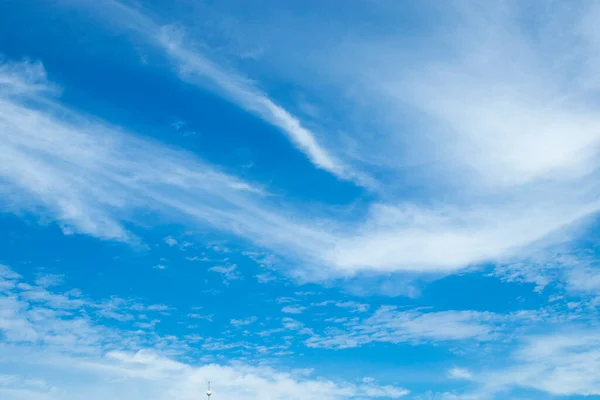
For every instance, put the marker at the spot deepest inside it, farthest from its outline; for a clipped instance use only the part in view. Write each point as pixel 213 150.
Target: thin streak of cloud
pixel 91 176
pixel 198 69
pixel 195 68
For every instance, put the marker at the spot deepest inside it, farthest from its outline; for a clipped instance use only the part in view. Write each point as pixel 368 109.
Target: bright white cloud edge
pixel 508 215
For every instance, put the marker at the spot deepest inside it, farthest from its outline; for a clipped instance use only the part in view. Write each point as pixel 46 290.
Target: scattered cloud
pixel 170 241
pixel 196 258
pixel 177 125
pixel 49 280
pixel 90 176
pixel 169 185
pixel 265 278
pixel 293 309
pixel 470 143
pixel 557 363
pixel 59 341
pixel 34 315
pixel 154 377
pixel 229 272
pixel 285 299
pixel 460 373
pixel 390 325
pixel 353 306
pixel 159 307
pixel 201 316
pixel 243 322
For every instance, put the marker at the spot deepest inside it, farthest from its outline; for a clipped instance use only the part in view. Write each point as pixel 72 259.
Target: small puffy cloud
pixel 285 299
pixel 243 322
pixel 158 307
pixel 170 241
pixel 178 124
pixel 201 316
pixel 265 277
pixel 229 272
pixel 460 373
pixel 353 306
pixel 293 309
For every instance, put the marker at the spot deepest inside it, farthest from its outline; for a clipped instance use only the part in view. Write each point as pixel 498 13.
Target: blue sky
pixel 299 200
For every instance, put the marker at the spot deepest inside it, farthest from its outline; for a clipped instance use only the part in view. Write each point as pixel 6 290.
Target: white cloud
pixel 573 270
pixel 510 143
pixel 285 299
pixel 32 314
pixel 437 239
pixel 49 280
pixel 229 272
pixel 68 355
pixel 460 373
pixel 505 136
pixel 196 68
pixel 90 176
pixel 353 306
pixel 26 78
pixel 170 241
pixel 292 324
pixel 414 326
pixel 293 309
pixel 498 138
pixel 159 307
pixel 265 278
pixel 69 321
pixel 201 316
pixel 243 322
pixel 125 375
pixel 558 364
pixel 196 258
pixel 34 318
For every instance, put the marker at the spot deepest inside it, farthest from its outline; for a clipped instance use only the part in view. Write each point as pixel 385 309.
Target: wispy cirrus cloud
pixel 502 153
pixel 480 131
pixel 502 142
pixel 390 325
pixel 198 69
pixel 561 363
pixel 92 177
